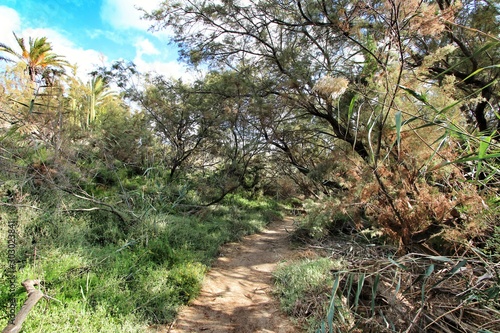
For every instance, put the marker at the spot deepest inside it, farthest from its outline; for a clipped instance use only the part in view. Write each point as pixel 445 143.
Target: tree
pixel 474 66
pixel 297 43
pixel 375 78
pixel 39 59
pixel 237 150
pixel 291 55
pixel 99 90
pixel 180 118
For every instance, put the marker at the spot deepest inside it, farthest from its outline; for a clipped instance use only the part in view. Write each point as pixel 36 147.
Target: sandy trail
pixel 236 293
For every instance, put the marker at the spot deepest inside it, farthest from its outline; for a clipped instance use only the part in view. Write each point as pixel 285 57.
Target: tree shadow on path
pixel 236 295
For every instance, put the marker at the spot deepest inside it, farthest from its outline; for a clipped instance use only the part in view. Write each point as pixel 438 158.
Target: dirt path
pixel 236 293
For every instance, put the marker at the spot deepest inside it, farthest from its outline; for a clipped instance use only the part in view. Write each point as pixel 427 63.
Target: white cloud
pixel 171 69
pixel 127 15
pixel 10 22
pixel 144 46
pixel 124 14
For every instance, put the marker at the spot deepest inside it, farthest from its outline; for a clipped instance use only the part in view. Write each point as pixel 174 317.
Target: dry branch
pixel 34 295
pixel 419 292
pixel 107 207
pixel 18 205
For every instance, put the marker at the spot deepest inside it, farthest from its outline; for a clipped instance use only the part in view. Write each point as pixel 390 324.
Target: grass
pixel 104 278
pixel 303 288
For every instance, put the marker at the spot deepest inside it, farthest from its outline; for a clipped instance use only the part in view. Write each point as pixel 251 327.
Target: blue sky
pixel 92 32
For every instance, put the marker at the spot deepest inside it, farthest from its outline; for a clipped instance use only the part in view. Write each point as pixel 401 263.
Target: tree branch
pixel 34 295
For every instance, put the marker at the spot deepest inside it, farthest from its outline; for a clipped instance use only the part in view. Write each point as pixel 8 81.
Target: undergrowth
pixel 443 283
pixel 109 272
pixel 303 287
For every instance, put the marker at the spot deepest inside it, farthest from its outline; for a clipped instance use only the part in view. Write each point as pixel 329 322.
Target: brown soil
pixel 236 295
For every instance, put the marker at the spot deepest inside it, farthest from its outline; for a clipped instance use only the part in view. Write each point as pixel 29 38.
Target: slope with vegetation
pixel 377 119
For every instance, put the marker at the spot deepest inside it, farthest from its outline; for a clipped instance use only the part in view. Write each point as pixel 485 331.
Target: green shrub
pixel 106 228
pixel 105 176
pixel 323 220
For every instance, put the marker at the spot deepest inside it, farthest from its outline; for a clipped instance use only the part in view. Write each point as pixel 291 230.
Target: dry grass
pixel 415 292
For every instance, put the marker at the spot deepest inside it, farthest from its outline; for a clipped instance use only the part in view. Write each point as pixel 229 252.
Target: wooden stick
pixel 34 296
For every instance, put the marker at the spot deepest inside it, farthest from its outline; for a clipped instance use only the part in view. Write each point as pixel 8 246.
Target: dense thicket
pixel 382 115
pixel 380 99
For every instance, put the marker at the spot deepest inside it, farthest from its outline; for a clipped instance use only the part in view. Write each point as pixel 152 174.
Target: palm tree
pixel 99 90
pixel 37 56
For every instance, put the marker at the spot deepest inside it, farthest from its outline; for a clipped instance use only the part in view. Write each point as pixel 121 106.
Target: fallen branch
pixel 108 208
pixel 34 296
pixel 18 205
